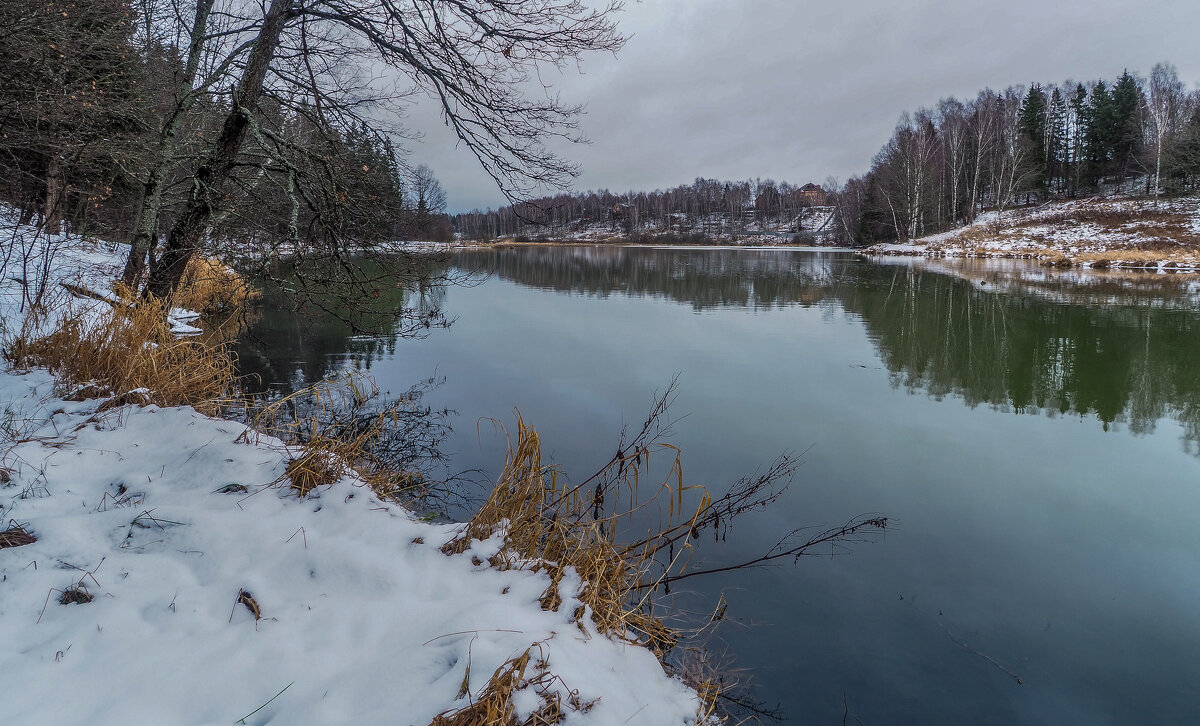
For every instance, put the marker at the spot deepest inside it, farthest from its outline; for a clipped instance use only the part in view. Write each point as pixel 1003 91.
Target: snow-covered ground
pixel 213 592
pixel 70 273
pixel 1101 232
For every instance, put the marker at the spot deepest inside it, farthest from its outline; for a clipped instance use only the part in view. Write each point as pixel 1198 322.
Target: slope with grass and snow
pixel 1094 232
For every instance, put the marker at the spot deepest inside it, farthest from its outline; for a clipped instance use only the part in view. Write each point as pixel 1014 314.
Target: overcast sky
pixel 800 90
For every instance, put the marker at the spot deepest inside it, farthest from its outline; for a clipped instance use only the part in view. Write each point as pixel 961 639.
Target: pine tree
pixel 1098 134
pixel 1033 129
pixel 1057 150
pixel 1127 137
pixel 1077 144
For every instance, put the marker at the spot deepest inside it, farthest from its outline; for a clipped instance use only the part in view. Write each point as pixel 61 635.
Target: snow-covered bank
pixel 173 581
pixel 1094 232
pixel 63 272
pixel 163 517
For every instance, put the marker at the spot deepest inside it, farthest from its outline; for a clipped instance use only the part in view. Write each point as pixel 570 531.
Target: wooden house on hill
pixel 813 195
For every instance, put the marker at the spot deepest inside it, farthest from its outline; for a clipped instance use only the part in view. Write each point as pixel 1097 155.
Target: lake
pixel 1031 433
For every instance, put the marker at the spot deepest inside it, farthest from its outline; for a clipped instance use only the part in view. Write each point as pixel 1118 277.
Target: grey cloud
pixel 806 90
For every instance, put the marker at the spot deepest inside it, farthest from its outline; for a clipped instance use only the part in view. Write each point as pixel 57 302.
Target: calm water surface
pixel 1033 436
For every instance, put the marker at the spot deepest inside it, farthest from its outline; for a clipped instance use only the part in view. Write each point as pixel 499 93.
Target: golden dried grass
pixel 131 348
pixel 16 536
pixel 334 437
pixel 548 525
pixel 210 286
pixel 1138 257
pixel 494 704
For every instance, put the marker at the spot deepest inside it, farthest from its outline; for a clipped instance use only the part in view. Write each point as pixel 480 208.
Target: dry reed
pixel 551 526
pixel 16 536
pixel 494 704
pixel 210 286
pixel 131 348
pixel 336 430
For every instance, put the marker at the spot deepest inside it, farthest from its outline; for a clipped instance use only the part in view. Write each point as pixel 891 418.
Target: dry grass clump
pixel 494 704
pixel 337 426
pixel 16 536
pixel 1139 258
pixel 625 547
pixel 317 466
pixel 550 526
pixel 132 349
pixel 76 594
pixel 210 286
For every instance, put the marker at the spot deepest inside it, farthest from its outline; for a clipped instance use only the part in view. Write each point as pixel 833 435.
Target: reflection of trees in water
pixel 297 340
pixel 1014 338
pixel 1131 363
pixel 703 278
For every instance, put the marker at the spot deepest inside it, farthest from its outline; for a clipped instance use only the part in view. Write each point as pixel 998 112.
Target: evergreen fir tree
pixel 1057 151
pixel 1078 146
pixel 1126 130
pixel 1098 134
pixel 1033 129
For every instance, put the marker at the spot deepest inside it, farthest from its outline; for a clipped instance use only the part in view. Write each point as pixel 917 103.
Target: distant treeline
pixel 941 168
pixel 707 207
pixel 944 166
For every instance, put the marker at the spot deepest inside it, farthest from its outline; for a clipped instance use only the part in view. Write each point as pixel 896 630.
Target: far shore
pixel 1137 234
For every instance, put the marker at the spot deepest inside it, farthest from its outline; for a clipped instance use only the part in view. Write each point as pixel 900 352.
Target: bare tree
pixel 476 58
pixel 1165 106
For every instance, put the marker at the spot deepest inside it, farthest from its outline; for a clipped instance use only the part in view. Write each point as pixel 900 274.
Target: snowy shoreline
pixel 172 580
pixel 1117 233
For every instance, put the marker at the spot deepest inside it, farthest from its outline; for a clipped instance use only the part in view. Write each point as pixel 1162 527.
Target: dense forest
pixel 945 165
pixel 103 106
pixel 940 169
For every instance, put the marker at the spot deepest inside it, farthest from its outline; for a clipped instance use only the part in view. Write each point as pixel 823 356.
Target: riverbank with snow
pixel 1113 232
pixel 155 567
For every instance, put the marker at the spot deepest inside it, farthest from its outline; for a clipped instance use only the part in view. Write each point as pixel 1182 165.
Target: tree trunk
pixel 147 221
pixel 52 211
pixel 186 236
pixel 1158 169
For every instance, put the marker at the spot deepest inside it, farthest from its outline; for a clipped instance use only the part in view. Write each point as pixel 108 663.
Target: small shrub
pixel 549 526
pixel 345 426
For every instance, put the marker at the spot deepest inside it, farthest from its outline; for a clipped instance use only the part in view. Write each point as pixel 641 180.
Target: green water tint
pixel 1030 432
pixel 1122 347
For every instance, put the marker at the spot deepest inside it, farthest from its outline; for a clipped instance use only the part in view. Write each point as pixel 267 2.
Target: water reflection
pixel 1124 349
pixel 1009 334
pixel 1047 561
pixel 293 339
pixel 1121 347
pixel 703 278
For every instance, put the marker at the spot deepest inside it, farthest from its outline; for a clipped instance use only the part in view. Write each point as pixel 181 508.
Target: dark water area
pixel 1032 434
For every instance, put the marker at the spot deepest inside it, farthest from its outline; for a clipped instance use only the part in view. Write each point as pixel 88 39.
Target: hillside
pixel 810 226
pixel 1124 232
